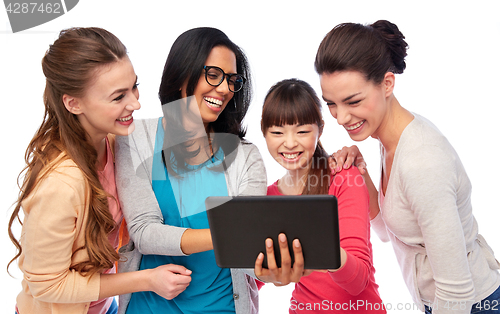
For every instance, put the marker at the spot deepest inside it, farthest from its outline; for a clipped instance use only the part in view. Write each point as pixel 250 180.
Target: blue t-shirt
pixel 182 202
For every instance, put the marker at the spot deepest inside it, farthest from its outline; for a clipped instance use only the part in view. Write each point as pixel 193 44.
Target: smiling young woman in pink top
pixel 67 249
pixel 292 124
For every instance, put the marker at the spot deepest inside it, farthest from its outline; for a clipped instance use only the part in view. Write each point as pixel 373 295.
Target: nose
pixel 342 115
pixel 290 141
pixel 223 87
pixel 134 103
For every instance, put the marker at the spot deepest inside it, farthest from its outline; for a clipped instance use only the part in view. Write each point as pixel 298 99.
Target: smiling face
pixel 293 146
pixel 212 100
pixel 360 106
pixel 109 101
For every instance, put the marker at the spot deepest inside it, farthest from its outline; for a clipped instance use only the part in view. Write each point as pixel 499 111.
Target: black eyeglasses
pixel 215 76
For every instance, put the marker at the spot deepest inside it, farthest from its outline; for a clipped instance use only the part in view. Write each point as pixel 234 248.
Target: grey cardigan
pixel 246 175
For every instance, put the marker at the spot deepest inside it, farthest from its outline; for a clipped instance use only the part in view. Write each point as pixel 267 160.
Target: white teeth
pixel 291 156
pixel 357 125
pixel 125 119
pixel 213 102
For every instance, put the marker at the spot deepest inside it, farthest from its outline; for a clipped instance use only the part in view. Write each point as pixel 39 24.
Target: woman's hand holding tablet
pixel 288 272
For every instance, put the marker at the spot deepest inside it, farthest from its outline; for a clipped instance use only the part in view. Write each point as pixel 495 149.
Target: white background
pixel 452 78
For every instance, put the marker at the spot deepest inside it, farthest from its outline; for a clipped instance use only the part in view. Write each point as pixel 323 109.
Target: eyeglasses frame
pixel 224 76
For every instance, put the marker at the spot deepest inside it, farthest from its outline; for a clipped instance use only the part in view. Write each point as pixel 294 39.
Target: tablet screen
pixel 240 226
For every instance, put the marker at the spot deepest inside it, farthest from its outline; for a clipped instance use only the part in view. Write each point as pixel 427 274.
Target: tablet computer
pixel 240 226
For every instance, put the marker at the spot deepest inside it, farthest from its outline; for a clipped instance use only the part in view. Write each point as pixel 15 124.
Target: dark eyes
pixel 123 95
pixel 352 103
pixel 281 133
pixel 119 97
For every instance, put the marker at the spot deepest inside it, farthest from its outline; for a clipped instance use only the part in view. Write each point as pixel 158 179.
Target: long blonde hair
pixel 69 67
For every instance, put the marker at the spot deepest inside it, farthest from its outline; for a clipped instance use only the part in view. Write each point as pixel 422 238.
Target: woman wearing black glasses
pixel 168 166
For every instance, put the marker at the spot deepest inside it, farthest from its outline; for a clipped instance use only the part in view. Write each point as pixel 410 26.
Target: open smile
pixel 213 103
pixel 126 120
pixel 291 156
pixel 354 126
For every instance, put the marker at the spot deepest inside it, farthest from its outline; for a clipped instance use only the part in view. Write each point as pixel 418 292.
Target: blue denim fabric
pixel 489 305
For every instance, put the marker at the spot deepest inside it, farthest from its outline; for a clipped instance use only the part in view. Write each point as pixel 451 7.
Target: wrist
pixel 147 280
pixel 259 279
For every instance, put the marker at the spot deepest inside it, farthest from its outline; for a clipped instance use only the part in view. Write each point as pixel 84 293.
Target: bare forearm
pixel 166 280
pixel 372 190
pixel 123 283
pixel 196 240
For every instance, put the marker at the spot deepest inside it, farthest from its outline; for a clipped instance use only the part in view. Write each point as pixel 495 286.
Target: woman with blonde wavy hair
pixel 72 217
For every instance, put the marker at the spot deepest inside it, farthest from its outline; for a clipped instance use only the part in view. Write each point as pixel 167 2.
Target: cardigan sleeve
pixel 253 178
pixel 54 218
pixel 354 229
pixel 249 179
pixel 137 199
pixel 432 195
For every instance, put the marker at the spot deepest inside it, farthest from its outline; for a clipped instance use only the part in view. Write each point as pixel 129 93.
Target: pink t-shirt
pixel 107 179
pixel 352 289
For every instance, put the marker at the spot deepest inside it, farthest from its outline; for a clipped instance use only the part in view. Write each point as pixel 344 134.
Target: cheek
pixel 272 145
pixel 372 110
pixel 269 144
pixel 228 98
pixel 312 144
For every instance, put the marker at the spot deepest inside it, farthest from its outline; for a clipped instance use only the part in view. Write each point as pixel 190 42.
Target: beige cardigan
pixel 55 215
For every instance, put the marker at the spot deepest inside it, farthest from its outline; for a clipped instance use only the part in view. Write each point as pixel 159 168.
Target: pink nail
pixel 282 238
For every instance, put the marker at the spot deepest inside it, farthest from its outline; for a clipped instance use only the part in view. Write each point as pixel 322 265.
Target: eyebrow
pixel 344 100
pixel 326 100
pixel 214 66
pixel 350 97
pixel 121 90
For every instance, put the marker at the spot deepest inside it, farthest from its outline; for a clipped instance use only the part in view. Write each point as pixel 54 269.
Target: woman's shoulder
pixel 143 135
pixel 352 173
pixel 422 142
pixel 61 177
pixel 146 125
pixel 421 132
pixel 273 189
pixel 67 171
pixel 347 179
pixel 248 148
